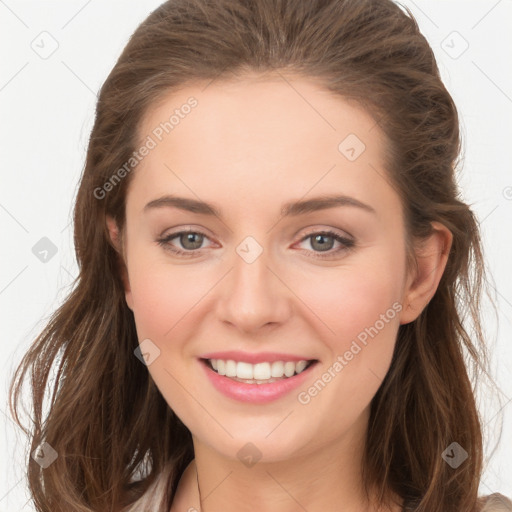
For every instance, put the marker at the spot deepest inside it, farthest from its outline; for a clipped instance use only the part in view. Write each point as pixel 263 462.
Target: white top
pixel 152 498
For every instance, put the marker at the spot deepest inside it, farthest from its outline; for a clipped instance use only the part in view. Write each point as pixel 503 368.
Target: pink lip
pixel 255 393
pixel 253 358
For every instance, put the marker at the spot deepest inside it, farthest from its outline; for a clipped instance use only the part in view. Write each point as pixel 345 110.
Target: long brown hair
pixel 107 420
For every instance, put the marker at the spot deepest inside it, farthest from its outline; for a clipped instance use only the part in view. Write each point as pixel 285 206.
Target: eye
pixel 323 241
pixel 190 240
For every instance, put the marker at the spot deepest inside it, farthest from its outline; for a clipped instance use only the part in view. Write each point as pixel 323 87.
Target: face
pixel 275 273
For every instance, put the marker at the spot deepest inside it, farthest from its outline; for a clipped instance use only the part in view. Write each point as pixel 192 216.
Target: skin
pixel 250 146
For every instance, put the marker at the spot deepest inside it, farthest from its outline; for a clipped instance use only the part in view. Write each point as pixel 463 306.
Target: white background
pixel 47 107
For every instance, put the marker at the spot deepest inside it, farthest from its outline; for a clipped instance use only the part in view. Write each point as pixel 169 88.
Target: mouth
pixel 259 383
pixel 260 373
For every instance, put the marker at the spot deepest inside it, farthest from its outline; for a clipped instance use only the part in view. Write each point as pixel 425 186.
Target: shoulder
pixel 495 503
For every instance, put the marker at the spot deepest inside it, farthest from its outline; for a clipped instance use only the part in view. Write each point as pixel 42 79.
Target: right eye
pixel 190 240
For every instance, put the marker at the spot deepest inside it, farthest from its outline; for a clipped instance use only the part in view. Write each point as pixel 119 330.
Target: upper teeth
pixel 259 371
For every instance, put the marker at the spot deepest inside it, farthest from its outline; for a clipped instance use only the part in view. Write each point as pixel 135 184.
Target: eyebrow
pixel 290 209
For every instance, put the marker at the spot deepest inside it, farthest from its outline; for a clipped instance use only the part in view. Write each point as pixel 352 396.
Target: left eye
pixel 317 241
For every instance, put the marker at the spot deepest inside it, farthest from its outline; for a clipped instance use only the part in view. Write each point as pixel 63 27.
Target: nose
pixel 254 294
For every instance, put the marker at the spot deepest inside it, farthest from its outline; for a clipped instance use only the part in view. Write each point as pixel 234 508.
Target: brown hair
pixel 107 419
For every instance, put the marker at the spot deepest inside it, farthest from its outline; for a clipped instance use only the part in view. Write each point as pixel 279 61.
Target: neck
pixel 328 478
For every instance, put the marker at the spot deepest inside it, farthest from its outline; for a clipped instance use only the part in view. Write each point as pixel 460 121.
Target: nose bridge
pixel 254 296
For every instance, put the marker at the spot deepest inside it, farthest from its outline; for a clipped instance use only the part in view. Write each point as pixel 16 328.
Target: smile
pixel 257 383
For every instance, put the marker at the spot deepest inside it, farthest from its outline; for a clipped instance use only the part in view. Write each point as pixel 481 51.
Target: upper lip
pixel 253 358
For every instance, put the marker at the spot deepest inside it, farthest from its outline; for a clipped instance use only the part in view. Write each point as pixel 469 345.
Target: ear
pixel 115 239
pixel 431 257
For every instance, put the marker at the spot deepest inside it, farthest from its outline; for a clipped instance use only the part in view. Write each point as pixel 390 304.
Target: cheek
pixel 166 299
pixel 163 295
pixel 359 315
pixel 354 297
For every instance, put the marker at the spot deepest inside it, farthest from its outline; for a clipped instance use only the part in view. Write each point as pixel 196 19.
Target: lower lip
pixel 255 393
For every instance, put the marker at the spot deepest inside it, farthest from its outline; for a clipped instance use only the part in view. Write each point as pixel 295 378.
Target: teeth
pixel 259 371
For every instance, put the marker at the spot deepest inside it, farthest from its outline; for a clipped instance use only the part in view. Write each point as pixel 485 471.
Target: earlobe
pixel 431 257
pixel 115 241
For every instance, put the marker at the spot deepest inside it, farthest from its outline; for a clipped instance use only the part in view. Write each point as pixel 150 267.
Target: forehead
pixel 283 105
pixel 271 136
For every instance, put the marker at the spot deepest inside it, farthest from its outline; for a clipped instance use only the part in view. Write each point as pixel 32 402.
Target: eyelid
pixel 332 231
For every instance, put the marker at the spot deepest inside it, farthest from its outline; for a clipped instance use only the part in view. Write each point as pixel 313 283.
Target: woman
pixel 274 267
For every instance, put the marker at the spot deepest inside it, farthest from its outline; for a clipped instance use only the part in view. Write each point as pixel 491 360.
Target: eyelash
pixel 347 243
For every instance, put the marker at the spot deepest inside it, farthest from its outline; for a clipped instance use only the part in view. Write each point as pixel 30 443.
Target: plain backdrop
pixel 54 57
